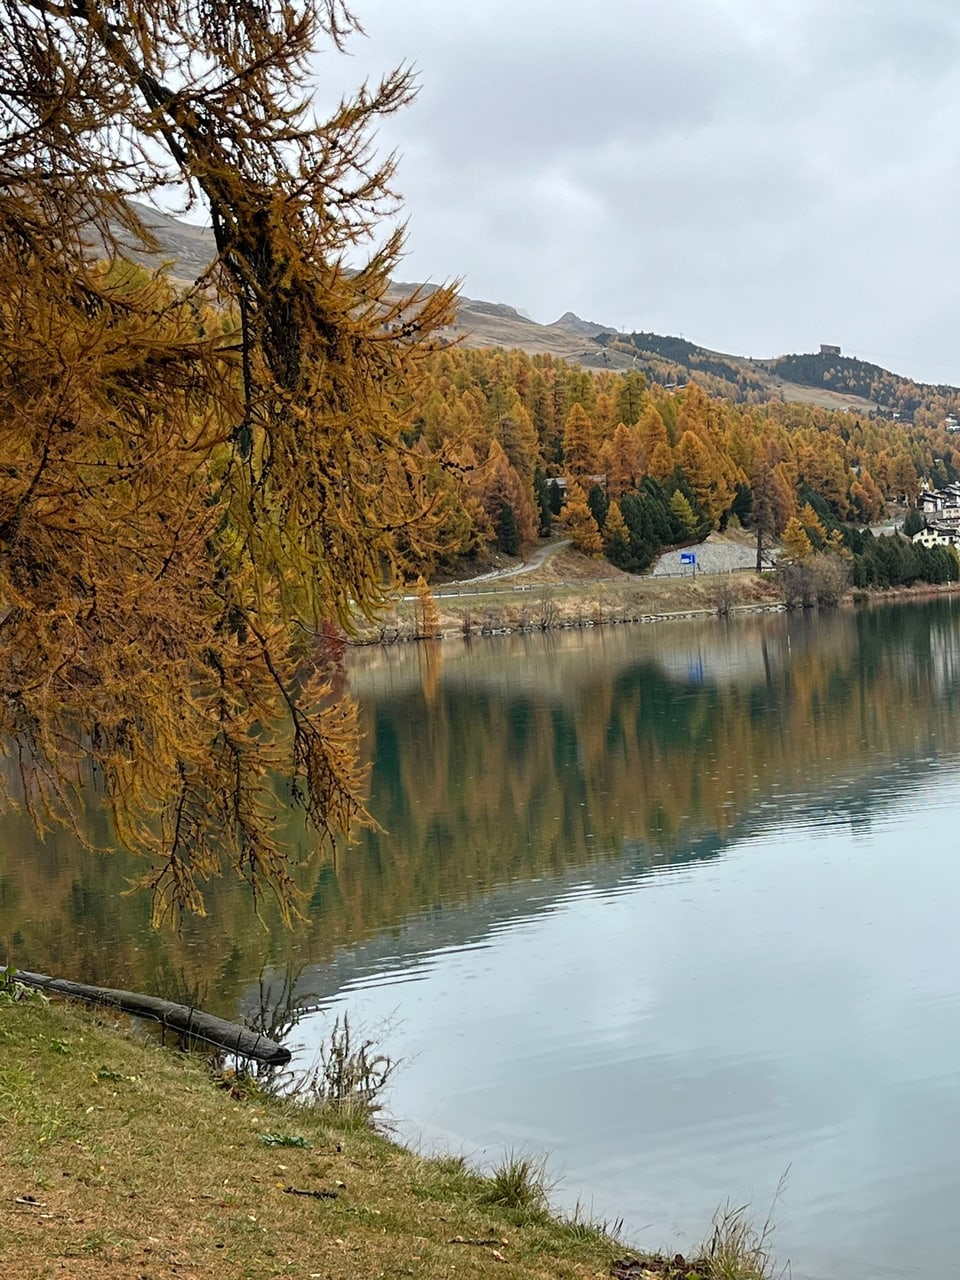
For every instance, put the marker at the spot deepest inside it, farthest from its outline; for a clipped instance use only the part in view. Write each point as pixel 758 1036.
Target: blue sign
pixel 688 557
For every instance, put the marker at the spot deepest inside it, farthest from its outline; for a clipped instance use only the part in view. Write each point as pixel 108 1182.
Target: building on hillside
pixel 586 483
pixel 943 502
pixel 930 500
pixel 951 423
pixel 827 350
pixel 938 535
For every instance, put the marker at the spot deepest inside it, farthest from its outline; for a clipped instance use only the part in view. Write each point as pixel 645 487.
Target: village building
pixel 938 535
pixel 930 500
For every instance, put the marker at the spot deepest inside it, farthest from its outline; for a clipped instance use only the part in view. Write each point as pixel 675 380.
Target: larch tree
pixel 797 546
pixel 774 500
pixel 193 482
pixel 823 468
pixel 428 613
pixel 498 486
pixel 616 537
pixel 581 526
pixel 704 470
pixel 620 457
pixel 661 462
pixel 579 443
pixel 814 526
pixel 866 497
pixel 517 435
pixel 651 432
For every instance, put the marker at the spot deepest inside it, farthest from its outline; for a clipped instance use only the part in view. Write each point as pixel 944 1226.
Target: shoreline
pixel 546 606
pixel 123 1158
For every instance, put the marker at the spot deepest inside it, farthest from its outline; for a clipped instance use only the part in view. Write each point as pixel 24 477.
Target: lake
pixel 673 904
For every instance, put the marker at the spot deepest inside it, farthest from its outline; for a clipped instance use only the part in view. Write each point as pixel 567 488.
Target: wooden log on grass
pixel 177 1017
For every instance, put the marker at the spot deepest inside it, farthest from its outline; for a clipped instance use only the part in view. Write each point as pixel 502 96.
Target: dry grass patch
pixel 571 589
pixel 121 1159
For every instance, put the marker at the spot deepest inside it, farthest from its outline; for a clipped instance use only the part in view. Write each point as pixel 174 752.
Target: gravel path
pixel 528 566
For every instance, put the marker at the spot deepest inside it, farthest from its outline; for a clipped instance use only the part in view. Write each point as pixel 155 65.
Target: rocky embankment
pixel 719 554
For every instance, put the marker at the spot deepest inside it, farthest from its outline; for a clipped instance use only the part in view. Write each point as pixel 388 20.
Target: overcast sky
pixel 760 176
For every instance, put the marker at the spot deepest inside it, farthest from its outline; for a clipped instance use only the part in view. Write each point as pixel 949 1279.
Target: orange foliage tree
pixel 580 523
pixel 195 480
pixel 579 442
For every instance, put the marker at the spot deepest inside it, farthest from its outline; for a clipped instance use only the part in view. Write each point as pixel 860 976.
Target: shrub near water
pixel 518 1183
pixel 736 1250
pixel 348 1079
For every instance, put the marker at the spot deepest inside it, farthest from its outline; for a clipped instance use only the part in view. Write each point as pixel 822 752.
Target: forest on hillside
pixel 922 403
pixel 672 361
pixel 642 466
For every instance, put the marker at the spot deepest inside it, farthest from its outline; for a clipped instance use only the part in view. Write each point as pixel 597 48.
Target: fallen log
pixel 177 1017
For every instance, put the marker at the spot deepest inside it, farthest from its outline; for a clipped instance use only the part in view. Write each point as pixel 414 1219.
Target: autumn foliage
pixel 197 484
pixel 193 483
pixel 683 463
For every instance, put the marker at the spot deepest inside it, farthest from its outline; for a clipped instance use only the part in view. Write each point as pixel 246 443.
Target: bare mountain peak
pixel 497 309
pixel 583 328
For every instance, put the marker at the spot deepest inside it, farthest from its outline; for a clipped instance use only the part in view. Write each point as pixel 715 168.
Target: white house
pixel 938 535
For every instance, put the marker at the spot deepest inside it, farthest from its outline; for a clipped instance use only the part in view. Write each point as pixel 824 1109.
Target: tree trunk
pixel 178 1017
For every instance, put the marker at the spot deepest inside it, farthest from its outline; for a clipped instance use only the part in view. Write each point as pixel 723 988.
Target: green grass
pixel 738 1250
pixel 518 1183
pixel 119 1158
pixel 128 1159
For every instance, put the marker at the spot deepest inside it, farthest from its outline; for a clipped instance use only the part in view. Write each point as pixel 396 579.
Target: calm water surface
pixel 677 905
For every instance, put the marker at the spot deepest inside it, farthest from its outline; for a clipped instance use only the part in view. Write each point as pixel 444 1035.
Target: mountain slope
pixel 828 380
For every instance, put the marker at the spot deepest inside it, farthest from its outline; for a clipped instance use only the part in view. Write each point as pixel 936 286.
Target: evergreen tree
pixel 683 513
pixel 598 504
pixel 647 517
pixel 616 539
pixel 508 535
pixel 913 522
pixel 661 524
pixel 542 493
pixel 742 506
pixel 630 397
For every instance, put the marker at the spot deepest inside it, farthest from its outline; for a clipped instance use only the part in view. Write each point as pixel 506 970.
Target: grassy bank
pixel 123 1159
pixel 572 590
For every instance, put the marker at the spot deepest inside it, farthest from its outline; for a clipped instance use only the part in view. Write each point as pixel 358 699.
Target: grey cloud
pixel 761 175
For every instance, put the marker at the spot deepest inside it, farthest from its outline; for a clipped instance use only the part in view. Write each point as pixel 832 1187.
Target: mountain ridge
pixel 825 379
